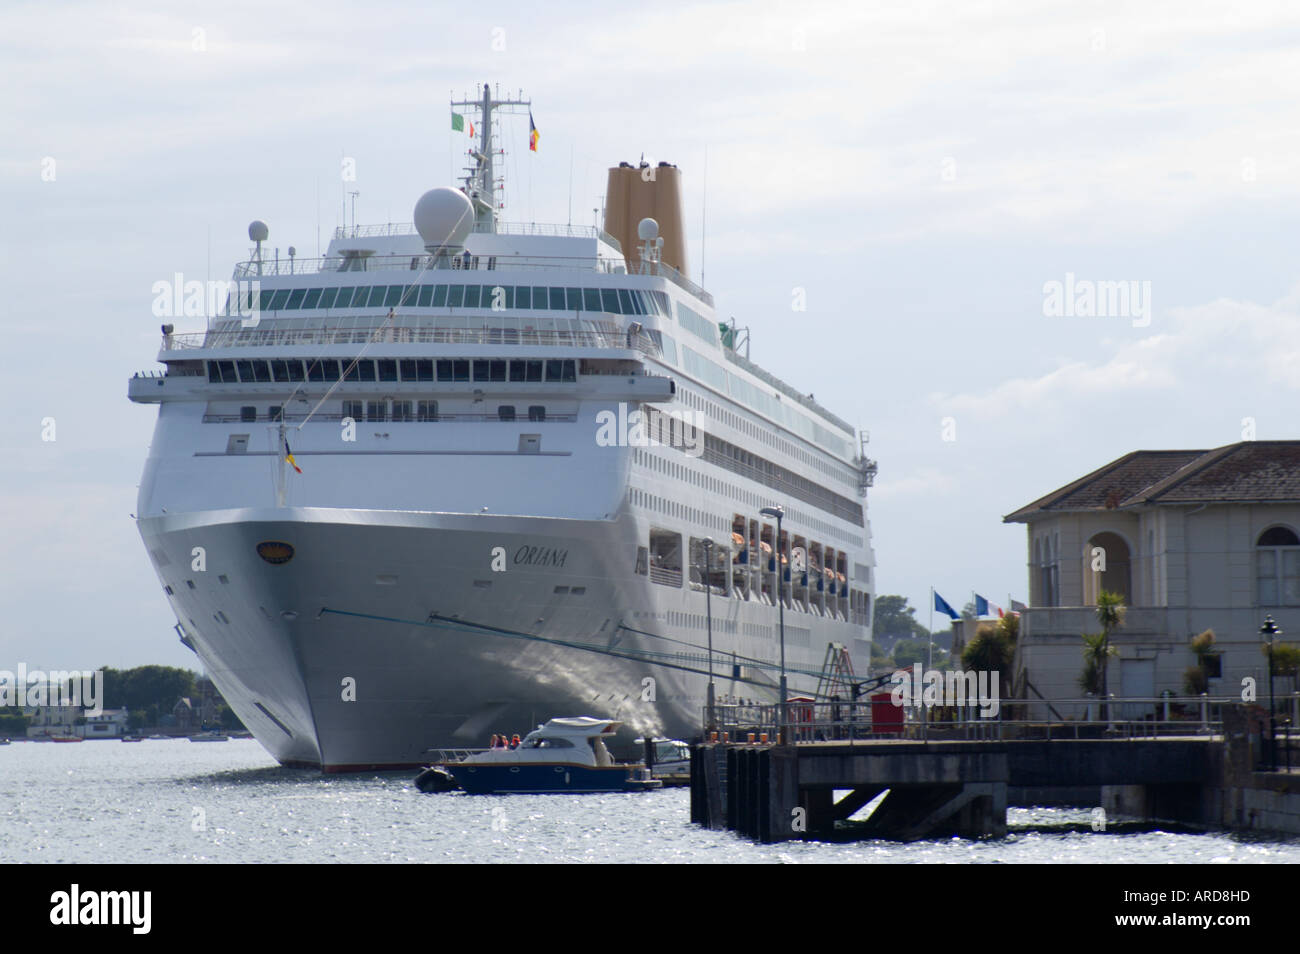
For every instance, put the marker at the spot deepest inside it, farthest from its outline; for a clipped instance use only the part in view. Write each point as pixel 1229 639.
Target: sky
pixel 927 177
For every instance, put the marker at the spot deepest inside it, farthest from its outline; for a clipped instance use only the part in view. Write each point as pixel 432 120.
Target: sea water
pixel 178 801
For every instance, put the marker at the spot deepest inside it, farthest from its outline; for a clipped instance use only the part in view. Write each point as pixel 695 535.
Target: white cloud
pixel 1204 353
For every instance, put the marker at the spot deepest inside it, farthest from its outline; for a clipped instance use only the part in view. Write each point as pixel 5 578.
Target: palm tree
pixel 1096 652
pixel 1110 613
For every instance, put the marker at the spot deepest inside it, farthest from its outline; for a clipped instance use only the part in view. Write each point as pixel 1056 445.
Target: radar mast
pixel 480 178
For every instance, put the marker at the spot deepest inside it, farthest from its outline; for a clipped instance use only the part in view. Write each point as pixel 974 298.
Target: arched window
pixel 1045 560
pixel 1277 567
pixel 1039 597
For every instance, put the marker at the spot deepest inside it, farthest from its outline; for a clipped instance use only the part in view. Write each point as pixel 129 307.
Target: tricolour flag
pixel 984 607
pixel 533 134
pixel 941 605
pixel 288 455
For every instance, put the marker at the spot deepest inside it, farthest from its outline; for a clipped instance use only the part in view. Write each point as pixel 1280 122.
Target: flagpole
pixel 279 479
pixel 929 660
pixel 929 640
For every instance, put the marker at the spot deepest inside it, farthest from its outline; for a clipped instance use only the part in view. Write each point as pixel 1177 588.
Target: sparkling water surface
pixel 179 801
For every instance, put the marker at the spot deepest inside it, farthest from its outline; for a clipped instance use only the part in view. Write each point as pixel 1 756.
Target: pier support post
pixel 783 822
pixel 819 811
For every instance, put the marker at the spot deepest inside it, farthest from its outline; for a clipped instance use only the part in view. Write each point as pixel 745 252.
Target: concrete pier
pixel 777 793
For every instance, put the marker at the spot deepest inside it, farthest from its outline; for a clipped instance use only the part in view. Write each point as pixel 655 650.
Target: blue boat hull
pixel 540 779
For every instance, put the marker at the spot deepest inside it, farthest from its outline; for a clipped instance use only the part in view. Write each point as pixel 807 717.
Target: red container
pixel 886 718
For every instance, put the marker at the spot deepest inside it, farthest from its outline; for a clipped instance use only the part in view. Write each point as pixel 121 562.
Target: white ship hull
pixel 389 634
pixel 519 454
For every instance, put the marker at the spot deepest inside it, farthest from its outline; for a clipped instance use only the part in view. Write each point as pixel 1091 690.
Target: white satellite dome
pixel 444 217
pixel 257 230
pixel 647 229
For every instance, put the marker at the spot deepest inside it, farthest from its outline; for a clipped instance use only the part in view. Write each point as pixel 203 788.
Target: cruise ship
pixel 463 476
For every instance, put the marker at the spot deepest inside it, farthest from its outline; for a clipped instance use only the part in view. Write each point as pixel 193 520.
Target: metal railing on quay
pixel 1010 719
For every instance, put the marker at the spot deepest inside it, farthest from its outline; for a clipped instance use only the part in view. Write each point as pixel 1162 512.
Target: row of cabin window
pixel 378 411
pixel 619 301
pixel 287 370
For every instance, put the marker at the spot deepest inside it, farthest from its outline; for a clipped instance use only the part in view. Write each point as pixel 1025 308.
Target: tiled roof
pixel 1247 472
pixel 1252 471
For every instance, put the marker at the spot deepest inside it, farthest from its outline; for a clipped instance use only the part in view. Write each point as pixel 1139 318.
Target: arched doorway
pixel 1106 566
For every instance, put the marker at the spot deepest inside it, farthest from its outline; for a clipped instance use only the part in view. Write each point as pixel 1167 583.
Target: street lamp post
pixel 1271 630
pixel 779 514
pixel 708 616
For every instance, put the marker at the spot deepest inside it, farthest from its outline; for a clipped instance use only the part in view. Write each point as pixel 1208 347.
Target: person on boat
pixel 514 742
pixel 493 743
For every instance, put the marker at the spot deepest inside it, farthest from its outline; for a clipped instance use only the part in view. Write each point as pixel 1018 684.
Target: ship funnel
pixel 444 218
pixel 634 194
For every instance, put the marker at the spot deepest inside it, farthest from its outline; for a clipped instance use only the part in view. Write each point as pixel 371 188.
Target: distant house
pixel 44 721
pixel 183 715
pixel 109 724
pixel 207 700
pixel 1192 539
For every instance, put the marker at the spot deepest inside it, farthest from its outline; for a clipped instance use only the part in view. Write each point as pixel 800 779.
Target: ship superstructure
pixel 459 477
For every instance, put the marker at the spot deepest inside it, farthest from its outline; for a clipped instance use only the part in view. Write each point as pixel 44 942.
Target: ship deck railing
pixel 260 337
pixel 415 262
pixel 479 417
pixel 774 381
pixel 502 228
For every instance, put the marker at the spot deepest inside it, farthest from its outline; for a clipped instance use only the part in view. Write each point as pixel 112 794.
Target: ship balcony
pixel 152 387
pixel 271 336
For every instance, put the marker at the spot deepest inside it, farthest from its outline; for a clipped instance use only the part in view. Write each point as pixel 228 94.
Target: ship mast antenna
pixel 481 178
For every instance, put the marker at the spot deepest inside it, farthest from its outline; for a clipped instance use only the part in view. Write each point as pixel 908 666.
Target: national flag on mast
pixel 941 606
pixel 982 607
pixel 533 134
pixel 288 455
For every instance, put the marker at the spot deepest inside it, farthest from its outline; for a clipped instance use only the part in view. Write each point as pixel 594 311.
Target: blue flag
pixel 981 606
pixel 941 605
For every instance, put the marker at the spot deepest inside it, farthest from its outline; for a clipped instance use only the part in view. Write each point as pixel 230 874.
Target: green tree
pixel 1286 658
pixel 1196 679
pixel 909 651
pixel 227 718
pixel 1096 651
pixel 1110 614
pixel 12 724
pixel 892 617
pixel 153 688
pixel 992 650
